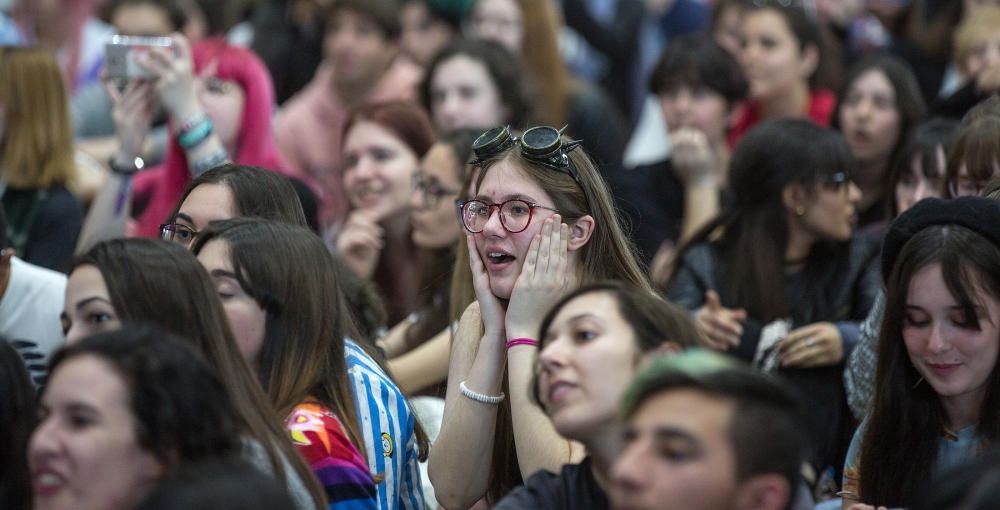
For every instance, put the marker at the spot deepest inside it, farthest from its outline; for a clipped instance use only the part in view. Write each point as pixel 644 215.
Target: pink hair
pixel 254 143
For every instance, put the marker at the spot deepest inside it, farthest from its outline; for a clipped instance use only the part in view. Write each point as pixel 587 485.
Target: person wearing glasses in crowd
pixel 591 343
pixel 383 144
pixel 974 159
pixel 418 347
pixel 541 222
pixel 786 282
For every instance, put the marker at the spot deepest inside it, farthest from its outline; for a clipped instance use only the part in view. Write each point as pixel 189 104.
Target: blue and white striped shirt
pixel 387 424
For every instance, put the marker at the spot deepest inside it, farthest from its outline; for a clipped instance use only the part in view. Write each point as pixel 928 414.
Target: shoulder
pixel 61 201
pixel 573 487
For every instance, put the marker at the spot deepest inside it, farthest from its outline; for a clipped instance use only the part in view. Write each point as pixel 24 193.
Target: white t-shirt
pixel 29 314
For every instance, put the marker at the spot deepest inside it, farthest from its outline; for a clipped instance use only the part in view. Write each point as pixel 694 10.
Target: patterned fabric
pixel 387 424
pixel 953 449
pixel 859 377
pixel 337 464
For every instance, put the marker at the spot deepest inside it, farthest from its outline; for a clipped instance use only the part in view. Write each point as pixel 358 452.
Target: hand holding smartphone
pixel 120 52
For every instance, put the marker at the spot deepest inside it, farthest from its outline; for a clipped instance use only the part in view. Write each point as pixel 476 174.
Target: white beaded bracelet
pixel 479 397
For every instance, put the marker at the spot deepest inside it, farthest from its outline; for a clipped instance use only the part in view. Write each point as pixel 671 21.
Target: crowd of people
pixel 472 254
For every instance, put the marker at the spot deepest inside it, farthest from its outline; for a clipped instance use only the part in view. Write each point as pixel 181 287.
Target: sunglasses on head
pixel 541 144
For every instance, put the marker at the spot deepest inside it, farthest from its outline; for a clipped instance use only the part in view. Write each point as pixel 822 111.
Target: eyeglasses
pixel 180 234
pixel 541 144
pixel 965 187
pixel 515 215
pixel 431 190
pixel 837 182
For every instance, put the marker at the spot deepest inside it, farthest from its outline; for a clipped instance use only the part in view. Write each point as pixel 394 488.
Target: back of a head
pixel 218 485
pixel 763 428
pixel 17 419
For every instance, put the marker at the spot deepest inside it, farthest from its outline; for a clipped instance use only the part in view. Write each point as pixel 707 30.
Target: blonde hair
pixel 974 31
pixel 37 141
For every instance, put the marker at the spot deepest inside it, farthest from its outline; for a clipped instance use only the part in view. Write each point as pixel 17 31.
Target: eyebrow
pixel 504 198
pixel 183 216
pixel 222 273
pixel 85 302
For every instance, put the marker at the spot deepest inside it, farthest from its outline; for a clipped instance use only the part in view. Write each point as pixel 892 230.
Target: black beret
pixel 981 215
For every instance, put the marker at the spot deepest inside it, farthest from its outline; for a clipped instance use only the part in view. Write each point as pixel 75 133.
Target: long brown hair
pixel 161 283
pixel 608 255
pixel 36 146
pixel 302 355
pixel 906 422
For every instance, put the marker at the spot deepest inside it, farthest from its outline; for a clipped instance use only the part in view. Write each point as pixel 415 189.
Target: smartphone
pixel 119 55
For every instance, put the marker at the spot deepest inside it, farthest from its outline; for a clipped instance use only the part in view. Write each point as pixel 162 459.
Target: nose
pixel 43 441
pixel 365 168
pixel 73 334
pixel 936 342
pixel 853 193
pixel 417 198
pixel 922 191
pixel 627 474
pixel 494 226
pixel 555 354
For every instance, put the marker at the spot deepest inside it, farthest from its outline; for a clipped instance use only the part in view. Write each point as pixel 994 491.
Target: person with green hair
pixel 705 431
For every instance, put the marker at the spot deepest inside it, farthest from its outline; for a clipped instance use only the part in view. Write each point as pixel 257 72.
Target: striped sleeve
pixel 387 424
pixel 338 465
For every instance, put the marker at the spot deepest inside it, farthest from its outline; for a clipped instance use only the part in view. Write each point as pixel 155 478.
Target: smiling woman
pixel 935 402
pixel 122 410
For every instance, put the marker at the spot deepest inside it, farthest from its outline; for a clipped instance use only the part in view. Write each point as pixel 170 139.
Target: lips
pixel 47 482
pixel 558 390
pixel 943 369
pixel 498 259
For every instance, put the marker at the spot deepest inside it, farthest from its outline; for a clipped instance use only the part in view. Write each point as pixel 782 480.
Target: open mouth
pixel 499 257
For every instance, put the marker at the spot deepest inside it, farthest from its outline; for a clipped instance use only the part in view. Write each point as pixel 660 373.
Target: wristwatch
pixel 126 170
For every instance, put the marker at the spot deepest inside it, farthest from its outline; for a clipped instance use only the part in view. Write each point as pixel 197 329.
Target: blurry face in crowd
pixel 84 455
pixel 433 202
pixel 142 19
pixel 87 308
pixel 503 252
pixel 677 455
pixel 869 118
pixel 205 204
pixel 223 102
pixel 985 54
pixel 463 94
pixel 422 36
pixel 247 318
pixel 830 213
pixel 954 353
pixel 501 21
pixel 356 47
pixel 698 107
pixel 966 185
pixel 378 170
pixel 727 29
pixel 914 185
pixel 771 57
pixel 589 356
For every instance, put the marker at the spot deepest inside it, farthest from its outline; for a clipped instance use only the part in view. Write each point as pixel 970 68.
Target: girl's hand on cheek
pixel 544 278
pixel 490 307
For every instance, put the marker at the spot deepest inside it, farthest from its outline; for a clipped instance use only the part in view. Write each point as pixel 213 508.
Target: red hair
pixel 404 119
pixel 254 143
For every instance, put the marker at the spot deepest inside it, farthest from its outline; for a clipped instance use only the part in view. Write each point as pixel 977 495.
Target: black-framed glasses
pixel 515 215
pixel 431 190
pixel 541 144
pixel 177 233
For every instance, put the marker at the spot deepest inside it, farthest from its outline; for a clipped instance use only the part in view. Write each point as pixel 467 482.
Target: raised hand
pixel 721 327
pixel 132 110
pixel 544 277
pixel 815 345
pixel 691 156
pixel 360 243
pixel 172 71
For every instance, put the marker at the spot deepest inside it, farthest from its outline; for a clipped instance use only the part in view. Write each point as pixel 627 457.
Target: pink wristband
pixel 521 341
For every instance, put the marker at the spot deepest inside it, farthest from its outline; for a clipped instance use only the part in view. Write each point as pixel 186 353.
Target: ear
pixel 763 492
pixel 810 61
pixel 667 348
pixel 794 198
pixel 5 256
pixel 580 232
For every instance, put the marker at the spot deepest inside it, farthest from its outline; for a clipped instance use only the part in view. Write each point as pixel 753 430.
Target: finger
pixel 545 246
pixel 724 332
pixel 528 269
pixel 562 257
pixel 182 48
pixel 722 323
pixel 475 261
pixel 712 300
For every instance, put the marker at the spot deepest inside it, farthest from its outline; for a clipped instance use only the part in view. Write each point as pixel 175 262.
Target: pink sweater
pixel 310 128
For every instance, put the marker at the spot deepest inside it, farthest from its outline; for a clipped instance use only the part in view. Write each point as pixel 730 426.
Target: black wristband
pixel 126 170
